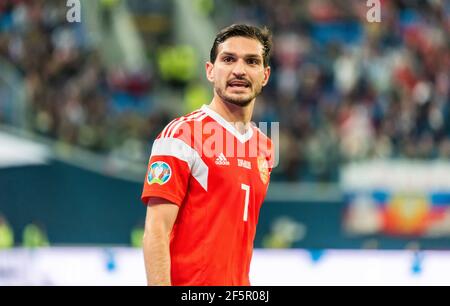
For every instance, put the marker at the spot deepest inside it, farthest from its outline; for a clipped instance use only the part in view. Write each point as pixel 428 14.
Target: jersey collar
pixel 228 126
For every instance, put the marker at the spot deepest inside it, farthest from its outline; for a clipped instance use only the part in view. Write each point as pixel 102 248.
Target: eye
pixel 253 61
pixel 228 59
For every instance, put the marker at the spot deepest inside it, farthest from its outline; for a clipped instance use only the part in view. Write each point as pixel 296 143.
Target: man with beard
pixel 209 171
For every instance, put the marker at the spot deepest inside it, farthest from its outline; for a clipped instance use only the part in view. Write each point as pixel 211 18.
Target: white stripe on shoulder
pixel 197 117
pixel 167 127
pixel 165 132
pixel 181 119
pixel 178 148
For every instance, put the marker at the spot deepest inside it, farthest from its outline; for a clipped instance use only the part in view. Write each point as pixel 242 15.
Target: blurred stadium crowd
pixel 342 88
pixel 71 96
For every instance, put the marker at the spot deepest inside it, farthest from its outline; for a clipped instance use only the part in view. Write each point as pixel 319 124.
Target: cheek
pixel 220 75
pixel 215 72
pixel 259 77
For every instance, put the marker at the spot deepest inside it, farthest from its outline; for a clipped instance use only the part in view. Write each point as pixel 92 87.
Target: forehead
pixel 241 46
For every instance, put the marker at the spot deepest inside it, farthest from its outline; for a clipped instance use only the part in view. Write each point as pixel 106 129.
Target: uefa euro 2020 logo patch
pixel 159 173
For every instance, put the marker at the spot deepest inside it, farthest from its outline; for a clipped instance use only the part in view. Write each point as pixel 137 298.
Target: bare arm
pixel 161 216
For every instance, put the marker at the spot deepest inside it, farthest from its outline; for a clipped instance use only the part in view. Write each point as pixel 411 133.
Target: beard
pixel 242 100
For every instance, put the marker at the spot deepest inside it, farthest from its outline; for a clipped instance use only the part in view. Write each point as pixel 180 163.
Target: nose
pixel 239 69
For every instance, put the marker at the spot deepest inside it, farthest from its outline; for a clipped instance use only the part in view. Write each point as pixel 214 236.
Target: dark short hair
pixel 263 35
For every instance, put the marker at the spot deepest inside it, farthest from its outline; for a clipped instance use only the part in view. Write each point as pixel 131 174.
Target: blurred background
pixel 362 190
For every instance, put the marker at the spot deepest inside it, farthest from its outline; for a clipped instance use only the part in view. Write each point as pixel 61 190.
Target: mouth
pixel 238 84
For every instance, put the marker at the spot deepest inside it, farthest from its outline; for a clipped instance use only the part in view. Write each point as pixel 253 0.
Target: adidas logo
pixel 221 160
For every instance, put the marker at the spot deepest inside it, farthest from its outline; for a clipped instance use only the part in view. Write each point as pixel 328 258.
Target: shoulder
pixel 262 135
pixel 265 145
pixel 183 125
pixel 178 138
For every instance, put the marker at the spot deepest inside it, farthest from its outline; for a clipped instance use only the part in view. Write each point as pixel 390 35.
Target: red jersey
pixel 218 177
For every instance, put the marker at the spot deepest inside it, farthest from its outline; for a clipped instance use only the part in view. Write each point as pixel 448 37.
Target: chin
pixel 239 102
pixel 242 100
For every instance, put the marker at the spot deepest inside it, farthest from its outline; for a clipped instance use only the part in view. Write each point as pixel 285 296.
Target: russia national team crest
pixel 263 167
pixel 159 173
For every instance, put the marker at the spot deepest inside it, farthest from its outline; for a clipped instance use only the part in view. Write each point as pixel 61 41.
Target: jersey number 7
pixel 246 188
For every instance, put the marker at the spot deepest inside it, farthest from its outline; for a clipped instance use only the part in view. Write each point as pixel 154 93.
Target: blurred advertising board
pixel 92 266
pixel 399 198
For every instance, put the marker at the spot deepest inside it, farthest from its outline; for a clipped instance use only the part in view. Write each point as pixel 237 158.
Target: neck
pixel 239 116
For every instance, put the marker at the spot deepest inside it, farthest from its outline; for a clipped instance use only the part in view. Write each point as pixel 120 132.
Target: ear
pixel 266 75
pixel 209 71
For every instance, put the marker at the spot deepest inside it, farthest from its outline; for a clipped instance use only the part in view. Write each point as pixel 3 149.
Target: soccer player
pixel 209 171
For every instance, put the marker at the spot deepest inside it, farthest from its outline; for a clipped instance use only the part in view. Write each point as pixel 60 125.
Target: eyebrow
pixel 245 56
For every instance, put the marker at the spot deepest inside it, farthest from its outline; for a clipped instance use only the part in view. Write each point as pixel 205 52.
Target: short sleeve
pixel 168 172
